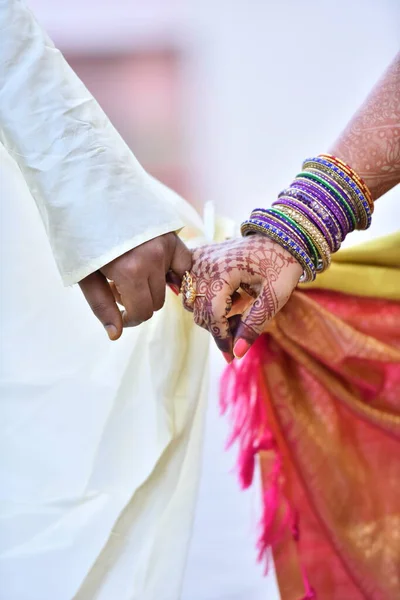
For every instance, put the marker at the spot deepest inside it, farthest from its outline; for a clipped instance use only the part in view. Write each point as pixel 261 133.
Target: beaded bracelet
pixel 352 175
pixel 301 231
pixel 271 219
pixel 310 219
pixel 275 233
pixel 287 225
pixel 364 200
pixel 297 232
pixel 319 240
pixel 306 213
pixel 348 199
pixel 317 179
pixel 332 208
pixel 309 243
pixel 325 221
pixel 353 191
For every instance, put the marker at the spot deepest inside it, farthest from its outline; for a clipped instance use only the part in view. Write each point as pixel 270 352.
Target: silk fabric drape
pixel 324 384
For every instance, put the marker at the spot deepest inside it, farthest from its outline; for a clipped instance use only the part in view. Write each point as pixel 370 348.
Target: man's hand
pixel 137 281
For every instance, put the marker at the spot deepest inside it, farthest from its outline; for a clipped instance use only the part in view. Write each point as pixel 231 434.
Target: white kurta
pixel 95 199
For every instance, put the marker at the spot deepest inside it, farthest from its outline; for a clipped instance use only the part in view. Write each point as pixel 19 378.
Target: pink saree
pixel 316 402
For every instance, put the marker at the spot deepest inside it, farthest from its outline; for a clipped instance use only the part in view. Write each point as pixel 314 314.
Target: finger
pixel 234 323
pixel 181 259
pixel 240 302
pixel 211 312
pixel 100 298
pixel 138 303
pixel 255 319
pixel 173 282
pixel 157 285
pixel 116 294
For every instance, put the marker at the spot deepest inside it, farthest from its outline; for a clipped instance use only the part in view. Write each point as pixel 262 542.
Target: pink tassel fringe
pixel 242 398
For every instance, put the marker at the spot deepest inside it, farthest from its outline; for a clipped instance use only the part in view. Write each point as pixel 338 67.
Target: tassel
pixel 242 398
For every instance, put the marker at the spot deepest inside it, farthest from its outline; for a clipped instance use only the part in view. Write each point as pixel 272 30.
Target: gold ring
pixel 188 289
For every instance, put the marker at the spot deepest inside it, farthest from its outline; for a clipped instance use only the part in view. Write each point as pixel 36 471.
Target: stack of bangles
pixel 312 217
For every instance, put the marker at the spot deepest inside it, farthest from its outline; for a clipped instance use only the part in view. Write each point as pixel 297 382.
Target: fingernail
pixel 174 288
pixel 240 348
pixel 112 331
pixel 228 357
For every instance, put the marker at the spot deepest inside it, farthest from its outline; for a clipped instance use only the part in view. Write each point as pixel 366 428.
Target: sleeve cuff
pixel 70 278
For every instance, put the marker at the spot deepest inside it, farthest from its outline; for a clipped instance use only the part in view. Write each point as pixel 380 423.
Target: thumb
pixel 100 298
pixel 181 260
pixel 253 322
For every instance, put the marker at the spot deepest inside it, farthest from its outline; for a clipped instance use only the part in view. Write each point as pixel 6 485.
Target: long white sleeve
pixel 95 199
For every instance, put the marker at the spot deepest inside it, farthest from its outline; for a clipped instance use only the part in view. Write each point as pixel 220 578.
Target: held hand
pixel 255 264
pixel 137 281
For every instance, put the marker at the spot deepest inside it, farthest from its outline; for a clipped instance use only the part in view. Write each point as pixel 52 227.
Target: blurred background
pixel 222 100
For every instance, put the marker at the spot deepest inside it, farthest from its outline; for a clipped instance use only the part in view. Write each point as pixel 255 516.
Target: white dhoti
pixel 100 442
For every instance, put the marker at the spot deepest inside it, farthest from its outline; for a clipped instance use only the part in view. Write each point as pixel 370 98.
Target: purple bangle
pixel 326 201
pixel 346 197
pixel 349 226
pixel 328 205
pixel 361 206
pixel 334 245
pixel 329 226
pixel 350 182
pixel 323 198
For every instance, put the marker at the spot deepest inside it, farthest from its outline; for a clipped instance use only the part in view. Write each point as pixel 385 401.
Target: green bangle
pixel 311 246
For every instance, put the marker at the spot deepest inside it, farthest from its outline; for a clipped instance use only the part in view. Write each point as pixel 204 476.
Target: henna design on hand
pixel 258 265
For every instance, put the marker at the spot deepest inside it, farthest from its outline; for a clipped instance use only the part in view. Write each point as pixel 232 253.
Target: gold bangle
pixel 318 239
pixel 353 175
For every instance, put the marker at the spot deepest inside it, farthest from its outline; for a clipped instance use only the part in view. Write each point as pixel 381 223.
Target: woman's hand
pixel 257 265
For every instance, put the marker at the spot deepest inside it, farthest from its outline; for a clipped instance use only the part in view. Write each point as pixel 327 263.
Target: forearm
pixel 371 141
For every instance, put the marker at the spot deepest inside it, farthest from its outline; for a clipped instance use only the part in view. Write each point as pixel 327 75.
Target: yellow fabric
pixel 369 270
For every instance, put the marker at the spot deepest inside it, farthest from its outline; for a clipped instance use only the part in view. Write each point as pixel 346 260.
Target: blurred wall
pixel 281 79
pixel 142 91
pixel 266 82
